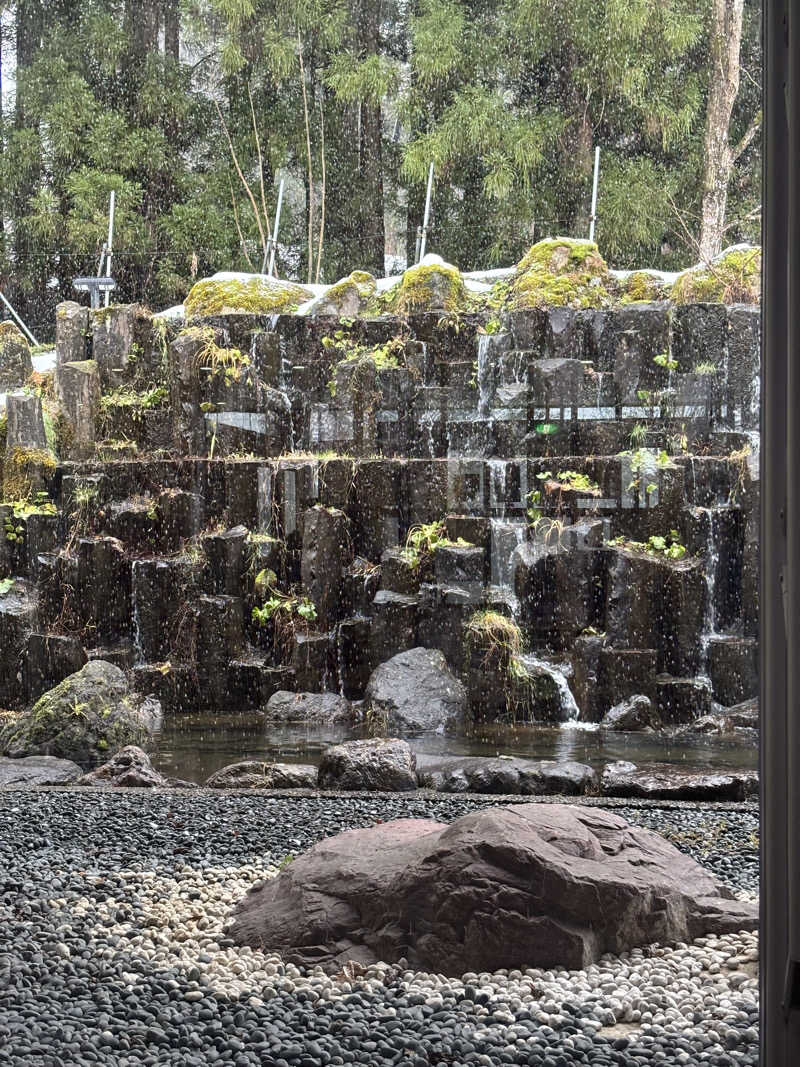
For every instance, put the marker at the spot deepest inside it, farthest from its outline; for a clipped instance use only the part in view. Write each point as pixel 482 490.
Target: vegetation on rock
pixel 561 272
pixel 733 278
pixel 256 296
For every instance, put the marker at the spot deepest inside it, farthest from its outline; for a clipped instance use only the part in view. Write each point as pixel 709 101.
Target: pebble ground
pixel 113 951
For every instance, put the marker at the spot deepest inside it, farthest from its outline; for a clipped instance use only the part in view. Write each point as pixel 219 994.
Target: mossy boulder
pixel 432 285
pixel 88 716
pixel 733 278
pixel 643 286
pixel 346 298
pixel 255 294
pixel 562 272
pixel 16 365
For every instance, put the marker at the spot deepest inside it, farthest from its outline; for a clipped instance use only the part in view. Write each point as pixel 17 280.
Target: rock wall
pixel 230 510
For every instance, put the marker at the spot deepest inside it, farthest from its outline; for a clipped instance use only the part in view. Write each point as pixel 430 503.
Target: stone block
pixel 72 328
pixel 77 386
pixel 25 423
pixel 326 552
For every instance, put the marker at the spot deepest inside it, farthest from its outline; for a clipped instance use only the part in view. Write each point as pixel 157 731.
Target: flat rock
pixel 415 692
pixel 257 774
pixel 531 885
pixel 130 767
pixel 661 781
pixel 37 770
pixel 316 708
pixel 480 774
pixel 383 764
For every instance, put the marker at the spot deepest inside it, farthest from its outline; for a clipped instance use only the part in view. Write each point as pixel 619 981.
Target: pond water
pixel 194 746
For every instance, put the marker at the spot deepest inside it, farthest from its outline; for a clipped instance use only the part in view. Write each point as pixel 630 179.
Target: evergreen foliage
pixel 349 101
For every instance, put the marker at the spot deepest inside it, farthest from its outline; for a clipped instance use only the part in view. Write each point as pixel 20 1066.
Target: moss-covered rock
pixel 347 298
pixel 90 714
pixel 643 286
pixel 15 357
pixel 26 471
pixel 432 285
pixel 257 294
pixel 733 278
pixel 562 272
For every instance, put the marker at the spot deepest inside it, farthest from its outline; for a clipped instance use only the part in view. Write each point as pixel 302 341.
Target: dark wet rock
pixel 744 715
pixel 635 713
pixel 130 766
pixel 415 692
pixel 317 708
pixel 257 774
pixel 37 770
pixel 89 713
pixel 667 782
pixel 384 764
pixel 505 776
pixel 533 885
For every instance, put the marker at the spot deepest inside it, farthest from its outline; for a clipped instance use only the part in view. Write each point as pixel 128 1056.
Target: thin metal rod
pixel 110 241
pixel 427 215
pixel 275 230
pixel 593 217
pixel 19 320
pixel 103 251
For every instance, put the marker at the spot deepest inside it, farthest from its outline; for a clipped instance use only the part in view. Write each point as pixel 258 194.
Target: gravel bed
pixel 113 951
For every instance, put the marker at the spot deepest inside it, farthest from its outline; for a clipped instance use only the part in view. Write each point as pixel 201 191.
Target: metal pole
pixel 275 230
pixel 103 251
pixel 19 320
pixel 427 215
pixel 110 241
pixel 593 217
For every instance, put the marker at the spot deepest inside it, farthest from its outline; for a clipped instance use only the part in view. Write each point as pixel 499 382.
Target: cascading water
pixel 507 534
pixel 569 708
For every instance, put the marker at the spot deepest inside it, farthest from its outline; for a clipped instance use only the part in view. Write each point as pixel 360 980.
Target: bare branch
pixel 322 216
pixel 752 130
pixel 308 151
pixel 260 173
pixel 238 227
pixel 243 179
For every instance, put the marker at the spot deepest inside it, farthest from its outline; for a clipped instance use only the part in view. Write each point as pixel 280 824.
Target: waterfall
pixel 484 375
pixel 427 420
pixel 506 536
pixel 569 709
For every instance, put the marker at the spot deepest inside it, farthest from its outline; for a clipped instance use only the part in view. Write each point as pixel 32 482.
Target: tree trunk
pixel 725 42
pixel 373 237
pixel 172 30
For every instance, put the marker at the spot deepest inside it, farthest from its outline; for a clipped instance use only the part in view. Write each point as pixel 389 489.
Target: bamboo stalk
pixel 308 151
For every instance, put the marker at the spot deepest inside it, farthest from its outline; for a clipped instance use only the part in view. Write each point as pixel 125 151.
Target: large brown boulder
pixel 530 885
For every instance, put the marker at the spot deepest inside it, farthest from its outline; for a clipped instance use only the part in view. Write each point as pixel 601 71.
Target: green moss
pixel 23 471
pixel 734 278
pixel 361 284
pixel 258 296
pixel 641 287
pixel 125 397
pixel 430 286
pixel 9 331
pixel 561 272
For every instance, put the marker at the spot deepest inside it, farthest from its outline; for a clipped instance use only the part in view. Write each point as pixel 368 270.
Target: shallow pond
pixel 193 747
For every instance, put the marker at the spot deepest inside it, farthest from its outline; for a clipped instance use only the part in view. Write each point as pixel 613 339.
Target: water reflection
pixel 193 747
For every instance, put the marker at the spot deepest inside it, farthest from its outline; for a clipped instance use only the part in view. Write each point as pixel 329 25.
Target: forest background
pixel 193 110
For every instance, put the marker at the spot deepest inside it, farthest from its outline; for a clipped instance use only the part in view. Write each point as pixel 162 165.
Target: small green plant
pixel 664 360
pixel 579 482
pixel 284 863
pixel 6 585
pixel 657 545
pixel 638 435
pixel 424 539
pixel 492 326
